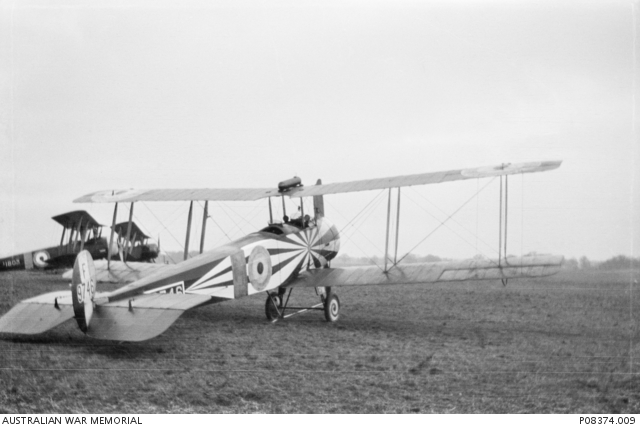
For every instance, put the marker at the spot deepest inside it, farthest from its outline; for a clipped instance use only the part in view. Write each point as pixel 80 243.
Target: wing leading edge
pixel 132 195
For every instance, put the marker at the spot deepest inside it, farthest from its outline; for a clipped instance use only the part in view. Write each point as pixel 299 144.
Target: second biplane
pixel 79 230
pixel 295 253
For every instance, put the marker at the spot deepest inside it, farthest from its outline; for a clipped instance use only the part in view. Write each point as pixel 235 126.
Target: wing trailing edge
pixel 142 317
pixel 417 273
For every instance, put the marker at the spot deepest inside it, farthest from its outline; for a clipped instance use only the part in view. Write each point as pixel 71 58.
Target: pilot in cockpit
pixel 297 220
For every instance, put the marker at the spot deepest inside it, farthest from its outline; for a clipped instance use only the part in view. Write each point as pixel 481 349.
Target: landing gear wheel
pixel 272 306
pixel 332 307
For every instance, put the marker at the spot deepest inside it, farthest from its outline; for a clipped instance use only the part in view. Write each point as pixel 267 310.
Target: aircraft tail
pixel 41 313
pixel 318 203
pixel 83 289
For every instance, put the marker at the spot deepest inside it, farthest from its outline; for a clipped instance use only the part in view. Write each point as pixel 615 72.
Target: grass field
pixel 564 344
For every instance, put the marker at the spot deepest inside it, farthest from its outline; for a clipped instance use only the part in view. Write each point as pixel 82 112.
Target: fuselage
pixel 258 262
pixel 62 256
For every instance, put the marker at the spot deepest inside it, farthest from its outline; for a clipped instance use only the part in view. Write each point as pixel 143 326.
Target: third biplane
pixel 294 253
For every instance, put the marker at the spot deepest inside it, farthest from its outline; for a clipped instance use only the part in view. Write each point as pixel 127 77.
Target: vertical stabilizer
pixel 318 203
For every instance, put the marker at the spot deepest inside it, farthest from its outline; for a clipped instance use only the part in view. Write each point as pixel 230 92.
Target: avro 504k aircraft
pixel 294 253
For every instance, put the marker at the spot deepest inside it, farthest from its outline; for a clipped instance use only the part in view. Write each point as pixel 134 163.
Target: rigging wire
pixel 443 222
pixel 491 248
pixel 453 219
pixel 348 235
pixel 215 222
pixel 355 229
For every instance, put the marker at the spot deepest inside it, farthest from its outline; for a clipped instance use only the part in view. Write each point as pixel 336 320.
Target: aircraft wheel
pixel 271 309
pixel 332 307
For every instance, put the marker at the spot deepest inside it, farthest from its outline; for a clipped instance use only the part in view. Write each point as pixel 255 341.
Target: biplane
pixel 295 253
pixel 82 231
pixel 134 244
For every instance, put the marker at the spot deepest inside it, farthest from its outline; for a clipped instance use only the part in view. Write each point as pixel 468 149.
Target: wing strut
pixel 205 214
pixel 387 256
pixel 79 232
pixel 113 230
pixel 186 241
pixel 71 232
pixel 83 235
pixel 128 228
pixel 395 255
pixel 504 196
pixel 503 225
pixel 284 209
pixel 386 242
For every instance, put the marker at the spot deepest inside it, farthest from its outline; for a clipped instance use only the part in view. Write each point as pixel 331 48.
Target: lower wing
pixel 415 273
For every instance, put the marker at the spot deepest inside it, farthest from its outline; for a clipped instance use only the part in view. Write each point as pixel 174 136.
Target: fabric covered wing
pixel 513 267
pixel 428 178
pixel 121 273
pixel 132 195
pixel 142 317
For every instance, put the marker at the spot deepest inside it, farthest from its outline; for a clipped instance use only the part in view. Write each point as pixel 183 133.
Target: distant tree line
pixel 347 260
pixel 614 263
pixel 583 263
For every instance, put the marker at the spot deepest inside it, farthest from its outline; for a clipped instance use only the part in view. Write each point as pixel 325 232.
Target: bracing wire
pixel 489 246
pixel 443 222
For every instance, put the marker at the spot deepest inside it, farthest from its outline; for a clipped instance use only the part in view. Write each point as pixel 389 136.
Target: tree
pixel 571 264
pixel 585 263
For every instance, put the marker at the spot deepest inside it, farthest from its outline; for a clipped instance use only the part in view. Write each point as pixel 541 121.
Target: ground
pixel 563 344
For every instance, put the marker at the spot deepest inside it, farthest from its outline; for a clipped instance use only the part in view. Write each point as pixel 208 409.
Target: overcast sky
pixel 108 95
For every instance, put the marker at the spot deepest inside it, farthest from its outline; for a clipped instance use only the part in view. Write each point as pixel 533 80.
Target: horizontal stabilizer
pixel 141 317
pixel 38 314
pixel 121 273
pixel 415 273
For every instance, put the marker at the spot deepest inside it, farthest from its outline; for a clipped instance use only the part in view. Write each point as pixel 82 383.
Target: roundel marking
pixel 40 258
pixel 259 267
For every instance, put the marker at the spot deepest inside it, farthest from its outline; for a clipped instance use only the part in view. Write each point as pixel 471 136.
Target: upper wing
pixel 132 195
pixel 428 178
pixel 417 273
pixel 121 273
pixel 73 219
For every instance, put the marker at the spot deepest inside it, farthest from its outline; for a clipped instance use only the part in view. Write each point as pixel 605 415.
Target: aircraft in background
pixel 292 254
pixel 83 232
pixel 134 244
